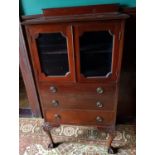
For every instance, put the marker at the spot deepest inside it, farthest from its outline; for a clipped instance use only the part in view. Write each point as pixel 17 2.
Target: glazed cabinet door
pixel 51 49
pixel 97 51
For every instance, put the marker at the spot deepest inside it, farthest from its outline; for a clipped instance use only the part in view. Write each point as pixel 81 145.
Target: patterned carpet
pixel 78 140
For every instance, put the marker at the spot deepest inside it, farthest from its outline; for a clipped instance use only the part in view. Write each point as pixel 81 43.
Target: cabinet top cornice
pixel 73 14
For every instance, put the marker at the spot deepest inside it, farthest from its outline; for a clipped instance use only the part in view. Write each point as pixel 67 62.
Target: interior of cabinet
pixel 96 53
pixel 53 55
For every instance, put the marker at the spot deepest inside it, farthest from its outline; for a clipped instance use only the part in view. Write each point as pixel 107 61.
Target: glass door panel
pixel 52 52
pixel 53 55
pixel 96 53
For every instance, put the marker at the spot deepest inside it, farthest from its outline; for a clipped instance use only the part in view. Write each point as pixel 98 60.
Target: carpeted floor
pixel 79 140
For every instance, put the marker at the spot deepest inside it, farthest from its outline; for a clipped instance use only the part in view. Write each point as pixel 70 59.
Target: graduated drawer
pixel 49 89
pixel 77 101
pixel 80 117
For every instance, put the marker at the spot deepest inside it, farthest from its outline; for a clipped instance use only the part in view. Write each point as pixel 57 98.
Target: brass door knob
pixel 99 119
pixel 99 104
pixel 55 103
pixel 99 90
pixel 53 89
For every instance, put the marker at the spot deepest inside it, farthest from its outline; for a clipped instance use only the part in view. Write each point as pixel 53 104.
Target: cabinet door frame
pixel 115 29
pixel 33 32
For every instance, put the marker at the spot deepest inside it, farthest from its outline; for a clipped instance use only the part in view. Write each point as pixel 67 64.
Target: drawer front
pixel 83 89
pixel 79 96
pixel 92 102
pixel 80 117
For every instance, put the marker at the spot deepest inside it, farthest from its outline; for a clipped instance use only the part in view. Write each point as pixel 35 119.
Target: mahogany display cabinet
pixel 76 57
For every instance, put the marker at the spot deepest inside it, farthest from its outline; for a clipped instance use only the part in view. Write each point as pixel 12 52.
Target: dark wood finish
pixel 79 88
pixel 114 29
pixel 125 112
pixel 69 95
pixel 47 127
pixel 111 150
pixel 82 9
pixel 28 76
pixel 29 17
pixel 74 96
pixel 93 102
pixel 129 11
pixel 33 33
pixel 76 18
pixel 79 117
pixel 92 9
pixel 73 14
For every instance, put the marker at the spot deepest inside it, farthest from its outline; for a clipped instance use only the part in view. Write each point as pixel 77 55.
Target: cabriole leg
pixel 47 127
pixel 111 150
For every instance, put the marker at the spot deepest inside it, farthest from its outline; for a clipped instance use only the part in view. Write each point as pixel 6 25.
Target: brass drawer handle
pixel 53 89
pixel 99 119
pixel 99 104
pixel 99 90
pixel 55 103
pixel 57 117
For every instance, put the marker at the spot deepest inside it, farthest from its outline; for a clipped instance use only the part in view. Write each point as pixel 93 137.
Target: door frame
pixel 115 30
pixel 33 33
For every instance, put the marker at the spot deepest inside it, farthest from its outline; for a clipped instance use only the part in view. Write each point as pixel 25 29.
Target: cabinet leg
pixel 47 127
pixel 111 150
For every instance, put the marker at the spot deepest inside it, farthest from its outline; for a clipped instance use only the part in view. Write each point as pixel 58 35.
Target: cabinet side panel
pixel 28 76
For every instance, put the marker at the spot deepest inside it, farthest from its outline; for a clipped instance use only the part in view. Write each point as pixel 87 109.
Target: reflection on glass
pixel 52 48
pixel 96 53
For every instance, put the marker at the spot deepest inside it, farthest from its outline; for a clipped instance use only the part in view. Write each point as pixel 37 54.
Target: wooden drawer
pixel 49 89
pixel 80 117
pixel 76 101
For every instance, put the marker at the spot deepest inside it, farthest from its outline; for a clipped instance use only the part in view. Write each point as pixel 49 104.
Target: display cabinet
pixel 76 58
